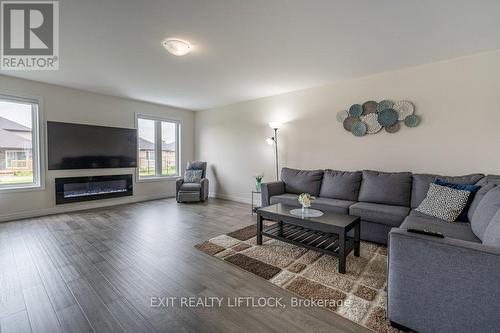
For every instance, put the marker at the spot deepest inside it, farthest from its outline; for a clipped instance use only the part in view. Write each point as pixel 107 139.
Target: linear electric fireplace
pixel 75 189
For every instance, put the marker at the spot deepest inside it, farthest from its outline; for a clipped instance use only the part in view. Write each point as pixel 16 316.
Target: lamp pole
pixel 276 152
pixel 274 140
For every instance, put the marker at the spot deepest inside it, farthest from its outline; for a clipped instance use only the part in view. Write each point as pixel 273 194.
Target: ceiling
pixel 249 49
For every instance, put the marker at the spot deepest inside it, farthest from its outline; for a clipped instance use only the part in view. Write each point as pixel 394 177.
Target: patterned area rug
pixel 312 275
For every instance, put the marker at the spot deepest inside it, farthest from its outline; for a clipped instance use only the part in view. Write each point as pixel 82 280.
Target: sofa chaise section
pixel 457 230
pixel 454 281
pixel 442 284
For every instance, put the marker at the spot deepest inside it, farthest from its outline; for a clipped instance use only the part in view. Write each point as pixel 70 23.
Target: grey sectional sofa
pixel 449 284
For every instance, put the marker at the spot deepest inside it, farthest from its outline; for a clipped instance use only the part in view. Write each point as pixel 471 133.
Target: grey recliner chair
pixel 193 192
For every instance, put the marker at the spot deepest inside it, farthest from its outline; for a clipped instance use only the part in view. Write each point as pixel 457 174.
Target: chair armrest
pixel 204 189
pixel 178 184
pixel 270 189
pixel 442 284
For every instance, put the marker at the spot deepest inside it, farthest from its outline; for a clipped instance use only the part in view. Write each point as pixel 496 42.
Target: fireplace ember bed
pixel 76 189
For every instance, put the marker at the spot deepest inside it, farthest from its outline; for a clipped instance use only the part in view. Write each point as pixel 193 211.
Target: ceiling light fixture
pixel 177 47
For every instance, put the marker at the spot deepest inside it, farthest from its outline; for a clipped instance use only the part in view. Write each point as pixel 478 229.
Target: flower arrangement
pixel 306 200
pixel 258 181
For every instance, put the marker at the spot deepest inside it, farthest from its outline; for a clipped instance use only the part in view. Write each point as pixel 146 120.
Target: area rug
pixel 360 292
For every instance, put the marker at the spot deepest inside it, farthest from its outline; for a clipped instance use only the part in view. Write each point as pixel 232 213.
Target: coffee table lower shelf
pixel 327 243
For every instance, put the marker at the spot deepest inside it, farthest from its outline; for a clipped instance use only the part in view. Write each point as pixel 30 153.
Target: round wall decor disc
pixel 372 124
pixel 369 107
pixel 385 104
pixel 356 110
pixel 359 128
pixel 404 109
pixel 342 115
pixel 349 121
pixel 412 120
pixel 387 117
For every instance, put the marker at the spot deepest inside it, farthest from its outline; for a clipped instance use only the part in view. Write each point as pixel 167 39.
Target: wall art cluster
pixel 371 117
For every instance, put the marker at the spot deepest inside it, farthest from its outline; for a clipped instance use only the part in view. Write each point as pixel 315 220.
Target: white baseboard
pixel 66 208
pixel 230 197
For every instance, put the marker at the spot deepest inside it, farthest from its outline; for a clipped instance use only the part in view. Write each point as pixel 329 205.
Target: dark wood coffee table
pixel 326 234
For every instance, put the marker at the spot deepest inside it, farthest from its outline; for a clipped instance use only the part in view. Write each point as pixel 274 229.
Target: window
pixel 17 159
pixel 158 147
pixel 19 143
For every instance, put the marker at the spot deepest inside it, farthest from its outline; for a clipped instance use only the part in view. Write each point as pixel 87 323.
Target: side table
pixel 254 206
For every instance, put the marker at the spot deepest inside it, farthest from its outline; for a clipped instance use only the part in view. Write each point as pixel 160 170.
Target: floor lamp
pixel 274 141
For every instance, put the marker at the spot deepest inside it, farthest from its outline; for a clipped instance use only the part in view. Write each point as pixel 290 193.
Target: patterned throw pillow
pixel 193 176
pixel 444 202
pixel 466 187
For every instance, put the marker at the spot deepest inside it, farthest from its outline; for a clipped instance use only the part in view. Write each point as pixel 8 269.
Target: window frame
pixel 37 142
pixel 158 151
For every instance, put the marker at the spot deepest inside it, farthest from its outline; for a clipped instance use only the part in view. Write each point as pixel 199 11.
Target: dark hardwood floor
pixel 96 271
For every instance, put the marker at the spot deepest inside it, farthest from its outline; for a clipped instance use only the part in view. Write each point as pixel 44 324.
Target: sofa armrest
pixel 270 189
pixel 178 184
pixel 204 189
pixel 442 284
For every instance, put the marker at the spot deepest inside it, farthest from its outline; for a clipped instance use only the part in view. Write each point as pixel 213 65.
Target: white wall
pixel 70 105
pixel 458 100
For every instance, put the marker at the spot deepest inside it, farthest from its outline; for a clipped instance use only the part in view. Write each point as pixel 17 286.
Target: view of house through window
pixel 19 165
pixel 158 142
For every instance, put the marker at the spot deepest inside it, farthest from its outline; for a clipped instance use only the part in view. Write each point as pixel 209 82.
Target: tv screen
pixel 77 146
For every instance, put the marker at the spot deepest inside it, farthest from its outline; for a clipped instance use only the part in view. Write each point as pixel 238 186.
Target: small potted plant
pixel 306 200
pixel 258 181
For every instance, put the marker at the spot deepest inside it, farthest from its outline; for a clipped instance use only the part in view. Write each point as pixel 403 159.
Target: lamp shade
pixel 275 124
pixel 270 141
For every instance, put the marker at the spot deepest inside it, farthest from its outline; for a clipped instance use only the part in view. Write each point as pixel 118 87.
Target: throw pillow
pixel 466 187
pixel 444 202
pixel 193 176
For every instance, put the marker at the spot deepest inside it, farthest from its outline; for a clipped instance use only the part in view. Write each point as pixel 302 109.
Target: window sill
pixel 27 188
pixel 156 179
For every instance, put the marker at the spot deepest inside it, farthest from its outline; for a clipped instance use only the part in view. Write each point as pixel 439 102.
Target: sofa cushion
pixel 286 199
pixel 444 202
pixel 379 213
pixel 461 231
pixel 190 187
pixel 485 211
pixel 342 185
pixel 193 176
pixel 471 188
pixel 302 181
pixel 421 182
pixel 414 212
pixel 390 188
pixel 332 205
pixel 489 179
pixel 198 165
pixel 478 197
pixel 492 233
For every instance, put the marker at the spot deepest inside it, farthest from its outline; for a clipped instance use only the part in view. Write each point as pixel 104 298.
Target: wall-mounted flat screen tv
pixel 77 146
